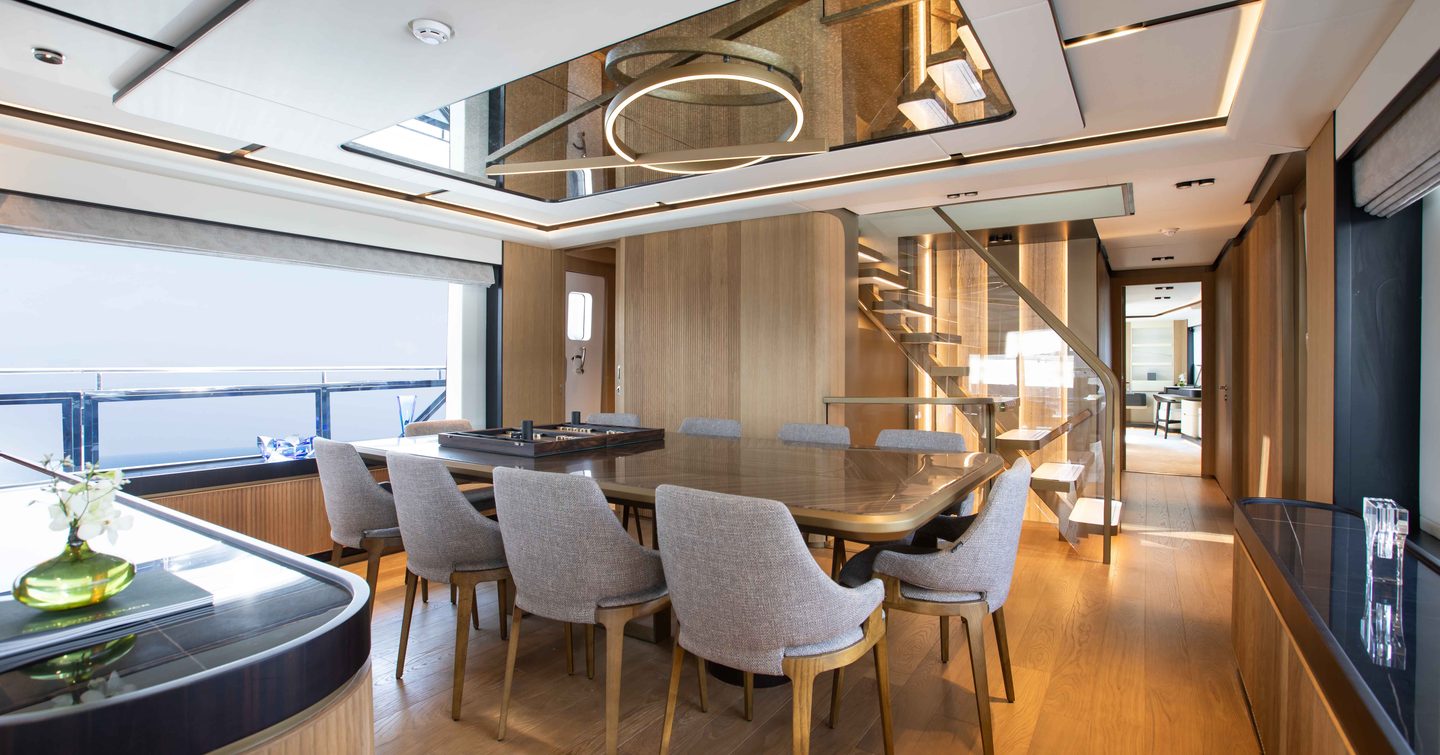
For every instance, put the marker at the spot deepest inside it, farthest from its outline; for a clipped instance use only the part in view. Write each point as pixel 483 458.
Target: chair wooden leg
pixel 589 651
pixel 802 696
pixel 374 549
pixel 882 686
pixel 677 663
pixel 569 648
pixel 944 639
pixel 335 553
pixel 424 591
pixel 502 592
pixel 510 654
pixel 974 622
pixel 836 564
pixel 704 692
pixel 462 646
pixel 654 530
pixel 475 610
pixel 749 696
pixel 837 680
pixel 614 650
pixel 1002 644
pixel 405 622
pixel 452 595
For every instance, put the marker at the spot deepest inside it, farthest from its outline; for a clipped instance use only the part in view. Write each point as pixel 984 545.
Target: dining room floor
pixel 1134 657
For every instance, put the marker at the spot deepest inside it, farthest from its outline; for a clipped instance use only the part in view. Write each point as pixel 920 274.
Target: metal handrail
pixel 1107 377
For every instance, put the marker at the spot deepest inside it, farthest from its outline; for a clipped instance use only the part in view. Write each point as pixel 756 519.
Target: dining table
pixel 859 494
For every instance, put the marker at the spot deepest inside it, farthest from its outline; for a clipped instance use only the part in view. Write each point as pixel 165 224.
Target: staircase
pixel 972 334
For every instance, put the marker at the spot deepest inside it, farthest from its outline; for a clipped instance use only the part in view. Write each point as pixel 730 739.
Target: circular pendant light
pixel 780 84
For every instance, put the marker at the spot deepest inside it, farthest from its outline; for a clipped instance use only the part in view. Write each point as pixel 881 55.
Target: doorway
pixel 1164 336
pixel 589 331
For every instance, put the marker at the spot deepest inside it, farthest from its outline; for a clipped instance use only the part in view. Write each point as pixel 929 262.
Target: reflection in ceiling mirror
pixel 747 82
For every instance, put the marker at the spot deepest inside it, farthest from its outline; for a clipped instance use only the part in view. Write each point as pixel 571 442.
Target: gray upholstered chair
pixel 446 540
pixel 825 435
pixel 360 510
pixel 437 426
pixel 711 426
pixel 969 580
pixel 571 562
pixel 930 441
pixel 747 593
pixel 618 419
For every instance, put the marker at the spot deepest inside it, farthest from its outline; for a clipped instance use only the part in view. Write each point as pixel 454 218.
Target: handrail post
pixel 1107 377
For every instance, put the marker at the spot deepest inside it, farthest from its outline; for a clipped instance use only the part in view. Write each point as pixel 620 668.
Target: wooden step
pixel 925 339
pixel 873 275
pixel 866 254
pixel 1088 511
pixel 1022 439
pixel 902 306
pixel 1058 477
pixel 957 371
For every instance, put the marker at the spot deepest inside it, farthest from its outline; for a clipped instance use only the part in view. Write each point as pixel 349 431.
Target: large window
pixel 130 357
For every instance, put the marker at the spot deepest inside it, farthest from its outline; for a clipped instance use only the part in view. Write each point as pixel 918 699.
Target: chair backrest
pixel 803 432
pixel 354 502
pixel 443 533
pixel 983 560
pixel 742 582
pixel 719 428
pixel 618 419
pixel 565 548
pixel 437 426
pixel 933 441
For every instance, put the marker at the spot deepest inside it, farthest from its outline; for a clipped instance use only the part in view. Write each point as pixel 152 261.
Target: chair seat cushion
pixel 382 532
pixel 480 498
pixel 640 596
pixel 839 642
pixel 915 592
pixel 498 563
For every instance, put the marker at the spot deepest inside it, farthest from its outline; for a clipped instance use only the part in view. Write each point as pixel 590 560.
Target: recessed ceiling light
pixel 960 194
pixel 46 55
pixel 1090 39
pixel 1169 231
pixel 1162 259
pixel 1199 182
pixel 430 31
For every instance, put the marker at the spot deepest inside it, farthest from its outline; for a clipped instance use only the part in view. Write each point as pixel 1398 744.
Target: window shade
pixel 64 219
pixel 1402 165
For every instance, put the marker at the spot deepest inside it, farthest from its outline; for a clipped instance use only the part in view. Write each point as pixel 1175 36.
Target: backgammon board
pixel 546 440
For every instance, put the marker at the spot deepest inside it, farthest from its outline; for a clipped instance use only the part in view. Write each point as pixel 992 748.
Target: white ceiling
pixel 1142 301
pixel 302 78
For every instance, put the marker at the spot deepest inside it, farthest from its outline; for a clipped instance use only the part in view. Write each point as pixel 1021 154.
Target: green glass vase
pixel 77 578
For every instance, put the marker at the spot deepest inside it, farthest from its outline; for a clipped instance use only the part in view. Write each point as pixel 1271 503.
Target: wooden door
pixel 1227 331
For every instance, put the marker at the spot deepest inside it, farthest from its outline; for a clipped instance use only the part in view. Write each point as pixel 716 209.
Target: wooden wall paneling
pixel 1318 377
pixel 1228 437
pixel 289 513
pixel 1269 378
pixel 1291 715
pixel 533 334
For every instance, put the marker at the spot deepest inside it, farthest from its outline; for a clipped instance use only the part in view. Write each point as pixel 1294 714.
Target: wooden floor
pixel 1147 452
pixel 1133 658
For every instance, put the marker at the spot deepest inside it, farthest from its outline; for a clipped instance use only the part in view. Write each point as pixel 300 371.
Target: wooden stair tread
pixel 1059 477
pixel 929 338
pixel 891 306
pixel 1024 434
pixel 1088 510
pixel 954 371
pixel 874 275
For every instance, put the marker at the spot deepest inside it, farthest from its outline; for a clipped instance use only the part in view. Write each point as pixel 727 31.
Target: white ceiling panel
pixel 1165 74
pixel 1080 17
pixel 167 21
pixel 95 60
pixel 355 62
pixel 1033 209
pixel 1153 298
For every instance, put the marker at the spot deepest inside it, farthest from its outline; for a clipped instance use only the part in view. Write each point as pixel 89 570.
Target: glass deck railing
pixel 138 418
pixel 979 322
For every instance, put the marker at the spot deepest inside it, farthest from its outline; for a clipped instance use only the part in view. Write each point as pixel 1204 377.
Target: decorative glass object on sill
pixel 79 576
pixel 288 448
pixel 406 404
pixel 1382 628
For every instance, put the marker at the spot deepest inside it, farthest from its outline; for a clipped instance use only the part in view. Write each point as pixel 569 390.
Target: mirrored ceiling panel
pixel 747 82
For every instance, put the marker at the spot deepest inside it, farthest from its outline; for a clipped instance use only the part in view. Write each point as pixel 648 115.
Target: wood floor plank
pixel 1134 657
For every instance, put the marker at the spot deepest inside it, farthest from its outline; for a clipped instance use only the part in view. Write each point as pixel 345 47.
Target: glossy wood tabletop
pixel 857 493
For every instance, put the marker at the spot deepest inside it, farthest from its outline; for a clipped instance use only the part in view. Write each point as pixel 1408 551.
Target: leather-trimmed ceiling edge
pixel 241 159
